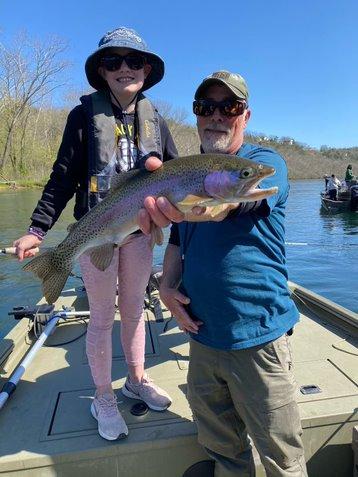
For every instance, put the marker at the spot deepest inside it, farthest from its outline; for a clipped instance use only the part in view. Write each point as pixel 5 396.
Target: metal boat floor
pixel 47 429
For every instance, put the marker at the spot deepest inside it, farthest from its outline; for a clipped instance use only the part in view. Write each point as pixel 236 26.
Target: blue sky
pixel 300 58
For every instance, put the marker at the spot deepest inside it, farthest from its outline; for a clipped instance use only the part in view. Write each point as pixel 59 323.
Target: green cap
pixel 233 81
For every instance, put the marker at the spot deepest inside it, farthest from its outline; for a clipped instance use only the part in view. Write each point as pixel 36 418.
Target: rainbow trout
pixel 199 180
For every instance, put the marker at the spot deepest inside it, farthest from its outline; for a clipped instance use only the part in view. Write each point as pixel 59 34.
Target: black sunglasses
pixel 228 107
pixel 113 63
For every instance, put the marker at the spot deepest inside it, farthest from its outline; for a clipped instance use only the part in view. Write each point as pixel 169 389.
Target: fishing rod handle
pixel 12 250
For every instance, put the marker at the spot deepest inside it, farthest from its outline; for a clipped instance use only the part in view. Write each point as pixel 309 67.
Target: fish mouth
pixel 251 192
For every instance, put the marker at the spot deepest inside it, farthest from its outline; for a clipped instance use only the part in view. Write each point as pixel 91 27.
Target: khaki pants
pixel 251 390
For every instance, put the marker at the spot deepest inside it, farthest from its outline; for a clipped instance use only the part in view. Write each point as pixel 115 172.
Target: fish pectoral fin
pixel 191 201
pixel 157 236
pixel 101 257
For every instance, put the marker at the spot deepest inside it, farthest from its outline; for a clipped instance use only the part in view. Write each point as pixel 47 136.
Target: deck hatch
pixel 70 416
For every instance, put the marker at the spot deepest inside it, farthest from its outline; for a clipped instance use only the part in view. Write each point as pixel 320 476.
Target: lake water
pixel 322 250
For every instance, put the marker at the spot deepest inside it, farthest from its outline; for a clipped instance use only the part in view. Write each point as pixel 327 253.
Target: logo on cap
pixel 225 75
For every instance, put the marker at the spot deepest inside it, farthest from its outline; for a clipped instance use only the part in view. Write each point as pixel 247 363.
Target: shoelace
pixel 108 406
pixel 146 386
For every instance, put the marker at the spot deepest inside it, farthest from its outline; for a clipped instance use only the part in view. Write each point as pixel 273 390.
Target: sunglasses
pixel 228 107
pixel 114 63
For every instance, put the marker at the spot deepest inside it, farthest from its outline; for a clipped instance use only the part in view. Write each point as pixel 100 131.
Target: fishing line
pixel 325 321
pixel 36 324
pixel 343 350
pixel 315 244
pixel 80 319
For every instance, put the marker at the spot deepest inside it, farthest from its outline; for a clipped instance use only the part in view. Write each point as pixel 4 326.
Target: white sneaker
pixel 111 425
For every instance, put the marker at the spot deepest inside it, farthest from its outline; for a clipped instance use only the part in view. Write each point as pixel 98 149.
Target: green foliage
pixel 31 132
pixel 35 143
pixel 305 162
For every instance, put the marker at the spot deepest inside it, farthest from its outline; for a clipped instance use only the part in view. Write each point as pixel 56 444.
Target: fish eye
pixel 247 172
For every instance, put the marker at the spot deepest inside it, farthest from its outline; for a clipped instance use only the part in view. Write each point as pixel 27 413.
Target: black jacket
pixel 70 170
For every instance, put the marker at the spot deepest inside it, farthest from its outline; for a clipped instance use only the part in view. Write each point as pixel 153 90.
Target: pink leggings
pixel 132 264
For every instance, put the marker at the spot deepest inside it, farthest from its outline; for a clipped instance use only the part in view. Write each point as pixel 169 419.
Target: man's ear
pixel 247 116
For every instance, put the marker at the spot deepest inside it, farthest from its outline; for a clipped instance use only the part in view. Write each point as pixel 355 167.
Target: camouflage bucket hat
pixel 233 81
pixel 123 38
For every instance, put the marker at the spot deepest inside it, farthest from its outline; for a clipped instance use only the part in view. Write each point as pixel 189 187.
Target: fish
pixel 197 180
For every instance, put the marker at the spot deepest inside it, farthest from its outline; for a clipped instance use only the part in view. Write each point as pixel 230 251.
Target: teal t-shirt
pixel 235 270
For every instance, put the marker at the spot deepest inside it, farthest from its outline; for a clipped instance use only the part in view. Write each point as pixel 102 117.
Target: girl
pixel 113 130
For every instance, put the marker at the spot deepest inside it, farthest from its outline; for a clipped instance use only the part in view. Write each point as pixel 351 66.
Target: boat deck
pixel 47 428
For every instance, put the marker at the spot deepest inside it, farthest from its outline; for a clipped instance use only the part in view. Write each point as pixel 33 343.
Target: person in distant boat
pixel 113 130
pixel 349 175
pixel 354 196
pixel 333 185
pixel 225 281
pixel 326 180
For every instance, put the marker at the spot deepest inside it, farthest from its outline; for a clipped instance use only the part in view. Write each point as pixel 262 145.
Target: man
pixel 234 302
pixel 349 177
pixel 333 185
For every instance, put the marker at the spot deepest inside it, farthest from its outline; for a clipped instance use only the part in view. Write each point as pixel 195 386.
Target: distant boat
pixel 344 202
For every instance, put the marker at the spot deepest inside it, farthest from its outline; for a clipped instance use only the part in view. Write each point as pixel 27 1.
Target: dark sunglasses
pixel 113 63
pixel 228 107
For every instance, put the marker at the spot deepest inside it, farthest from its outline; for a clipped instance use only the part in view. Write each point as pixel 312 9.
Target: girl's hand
pixel 160 211
pixel 26 246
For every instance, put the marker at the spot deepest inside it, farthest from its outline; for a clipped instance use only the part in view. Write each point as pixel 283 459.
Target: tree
pixel 29 72
pixel 185 136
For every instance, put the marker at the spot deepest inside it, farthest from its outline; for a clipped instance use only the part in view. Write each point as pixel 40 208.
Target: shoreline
pixel 36 185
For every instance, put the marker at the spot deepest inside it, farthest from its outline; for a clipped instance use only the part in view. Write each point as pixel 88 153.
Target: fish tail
pixel 53 280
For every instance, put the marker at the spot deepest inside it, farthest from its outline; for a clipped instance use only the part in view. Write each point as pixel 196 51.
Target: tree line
pixel 31 127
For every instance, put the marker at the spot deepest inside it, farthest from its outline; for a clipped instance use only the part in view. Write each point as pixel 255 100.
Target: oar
pixel 10 386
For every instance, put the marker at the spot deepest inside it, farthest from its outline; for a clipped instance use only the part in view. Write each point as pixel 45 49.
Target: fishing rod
pixel 12 250
pixel 52 320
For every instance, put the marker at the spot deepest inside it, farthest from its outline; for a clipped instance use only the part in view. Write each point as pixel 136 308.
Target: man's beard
pixel 212 142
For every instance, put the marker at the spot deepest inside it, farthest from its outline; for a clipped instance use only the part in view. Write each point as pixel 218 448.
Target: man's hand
pixel 175 302
pixel 217 213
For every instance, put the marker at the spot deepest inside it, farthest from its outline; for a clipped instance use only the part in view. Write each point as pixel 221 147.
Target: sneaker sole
pixel 131 395
pixel 102 434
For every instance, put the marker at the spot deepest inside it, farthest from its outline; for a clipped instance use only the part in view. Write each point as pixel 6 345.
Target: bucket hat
pixel 123 37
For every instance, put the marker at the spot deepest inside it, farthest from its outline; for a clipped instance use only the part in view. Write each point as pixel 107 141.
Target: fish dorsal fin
pixel 191 201
pixel 101 257
pixel 70 227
